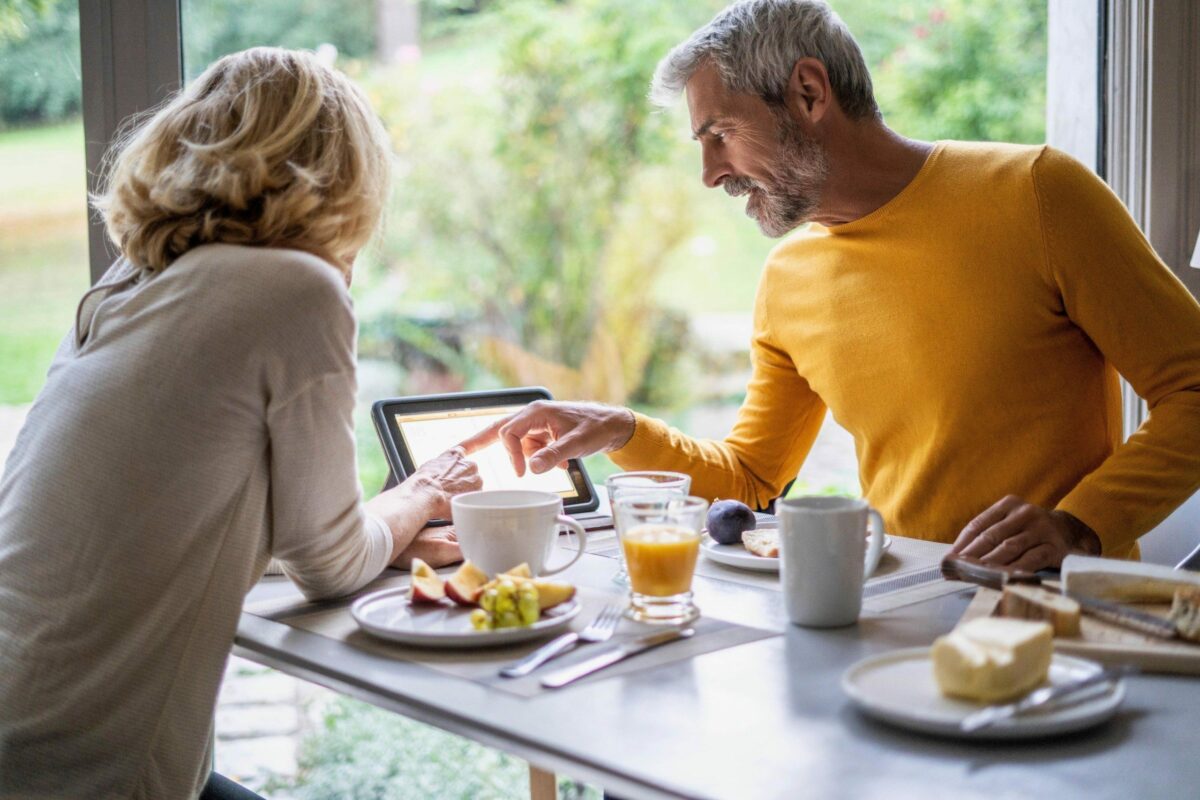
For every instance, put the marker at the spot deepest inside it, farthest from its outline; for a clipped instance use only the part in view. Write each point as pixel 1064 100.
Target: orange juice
pixel 661 558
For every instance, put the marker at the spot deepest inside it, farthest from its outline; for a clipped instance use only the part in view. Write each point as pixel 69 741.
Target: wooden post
pixel 542 785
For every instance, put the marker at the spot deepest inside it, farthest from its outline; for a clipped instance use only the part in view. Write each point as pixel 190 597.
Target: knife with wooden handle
pixel 971 571
pixel 613 655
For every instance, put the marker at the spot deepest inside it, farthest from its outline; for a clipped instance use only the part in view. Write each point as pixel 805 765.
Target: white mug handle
pixel 566 522
pixel 875 548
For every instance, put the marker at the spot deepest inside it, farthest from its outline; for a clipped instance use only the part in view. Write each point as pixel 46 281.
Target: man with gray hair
pixel 963 310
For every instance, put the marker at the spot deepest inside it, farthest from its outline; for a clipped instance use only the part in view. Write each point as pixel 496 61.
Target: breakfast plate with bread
pixel 736 536
pixel 758 551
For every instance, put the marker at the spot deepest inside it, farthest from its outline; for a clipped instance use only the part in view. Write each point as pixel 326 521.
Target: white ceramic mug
pixel 823 556
pixel 498 530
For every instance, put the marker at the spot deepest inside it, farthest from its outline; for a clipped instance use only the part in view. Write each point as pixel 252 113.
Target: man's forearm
pixel 717 468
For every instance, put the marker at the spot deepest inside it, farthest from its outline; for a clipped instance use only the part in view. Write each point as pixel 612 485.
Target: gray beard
pixel 794 194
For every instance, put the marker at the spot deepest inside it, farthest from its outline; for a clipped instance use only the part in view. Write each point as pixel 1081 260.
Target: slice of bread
pixel 1185 613
pixel 1036 603
pixel 763 543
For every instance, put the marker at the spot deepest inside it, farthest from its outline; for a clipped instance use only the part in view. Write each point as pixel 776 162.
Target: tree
pixel 39 61
pixel 959 69
pixel 533 199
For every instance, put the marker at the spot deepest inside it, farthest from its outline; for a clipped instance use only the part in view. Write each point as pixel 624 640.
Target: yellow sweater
pixel 969 335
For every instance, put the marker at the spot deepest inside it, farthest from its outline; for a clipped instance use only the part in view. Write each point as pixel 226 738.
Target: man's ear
pixel 808 95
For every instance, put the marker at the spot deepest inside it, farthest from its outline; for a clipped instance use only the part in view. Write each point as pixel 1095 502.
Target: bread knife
pixel 972 571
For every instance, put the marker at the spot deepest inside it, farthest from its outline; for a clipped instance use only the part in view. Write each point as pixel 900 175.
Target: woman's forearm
pixel 406 509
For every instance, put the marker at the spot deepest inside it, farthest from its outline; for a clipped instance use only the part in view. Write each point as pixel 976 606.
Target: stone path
pixel 262 717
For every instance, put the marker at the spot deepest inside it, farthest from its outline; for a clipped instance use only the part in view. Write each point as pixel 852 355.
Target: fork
pixel 599 629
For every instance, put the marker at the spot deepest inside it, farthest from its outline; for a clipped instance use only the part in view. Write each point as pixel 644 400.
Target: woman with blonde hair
pixel 195 423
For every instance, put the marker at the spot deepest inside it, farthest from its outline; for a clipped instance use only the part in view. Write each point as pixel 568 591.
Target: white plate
pixel 899 688
pixel 736 555
pixel 388 615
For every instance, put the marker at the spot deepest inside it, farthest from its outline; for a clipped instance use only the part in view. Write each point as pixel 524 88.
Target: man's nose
pixel 715 169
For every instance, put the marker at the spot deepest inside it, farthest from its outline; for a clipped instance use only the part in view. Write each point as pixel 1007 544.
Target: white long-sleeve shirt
pixel 194 424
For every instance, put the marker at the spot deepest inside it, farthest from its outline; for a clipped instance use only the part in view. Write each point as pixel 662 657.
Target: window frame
pixel 131 59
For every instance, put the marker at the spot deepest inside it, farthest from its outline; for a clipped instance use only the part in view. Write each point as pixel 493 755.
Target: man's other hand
pixel 1019 535
pixel 548 433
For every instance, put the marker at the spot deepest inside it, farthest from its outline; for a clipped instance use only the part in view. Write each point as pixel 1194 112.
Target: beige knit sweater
pixel 194 424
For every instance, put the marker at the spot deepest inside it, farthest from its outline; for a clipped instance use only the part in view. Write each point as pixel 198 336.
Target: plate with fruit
pixel 736 537
pixel 468 609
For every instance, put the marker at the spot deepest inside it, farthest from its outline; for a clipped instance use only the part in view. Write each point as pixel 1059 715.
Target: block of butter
pixel 1124 581
pixel 991 659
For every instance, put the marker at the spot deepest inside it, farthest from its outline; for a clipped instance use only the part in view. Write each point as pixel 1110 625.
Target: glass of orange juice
pixel 643 482
pixel 661 542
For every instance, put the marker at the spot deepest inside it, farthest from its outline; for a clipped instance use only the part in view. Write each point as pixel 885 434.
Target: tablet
pixel 414 430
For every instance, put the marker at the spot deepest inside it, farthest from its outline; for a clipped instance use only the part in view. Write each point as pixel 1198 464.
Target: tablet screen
pixel 429 434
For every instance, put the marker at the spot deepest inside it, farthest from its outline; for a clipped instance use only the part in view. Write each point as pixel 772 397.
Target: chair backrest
pixel 1176 537
pixel 1192 562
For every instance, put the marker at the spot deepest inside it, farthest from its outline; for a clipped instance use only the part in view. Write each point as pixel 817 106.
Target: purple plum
pixel 728 520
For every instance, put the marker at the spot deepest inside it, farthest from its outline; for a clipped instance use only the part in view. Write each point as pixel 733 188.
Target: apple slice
pixel 522 570
pixel 551 593
pixel 466 584
pixel 427 586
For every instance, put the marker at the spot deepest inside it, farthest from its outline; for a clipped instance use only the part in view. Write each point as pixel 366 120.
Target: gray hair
pixel 754 45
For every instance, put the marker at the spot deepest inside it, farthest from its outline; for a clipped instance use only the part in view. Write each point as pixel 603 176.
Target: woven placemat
pixel 333 620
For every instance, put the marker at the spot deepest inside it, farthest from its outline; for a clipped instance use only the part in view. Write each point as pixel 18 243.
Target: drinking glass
pixel 661 542
pixel 648 483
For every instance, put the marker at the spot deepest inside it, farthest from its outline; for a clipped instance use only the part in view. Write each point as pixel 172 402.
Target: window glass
pixel 43 215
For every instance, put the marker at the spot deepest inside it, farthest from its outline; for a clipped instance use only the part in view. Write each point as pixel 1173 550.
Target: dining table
pixel 751 707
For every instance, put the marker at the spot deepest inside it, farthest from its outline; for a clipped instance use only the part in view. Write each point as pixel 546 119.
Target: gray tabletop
pixel 761 720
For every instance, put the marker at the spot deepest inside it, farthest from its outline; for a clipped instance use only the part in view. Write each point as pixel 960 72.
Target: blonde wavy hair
pixel 268 147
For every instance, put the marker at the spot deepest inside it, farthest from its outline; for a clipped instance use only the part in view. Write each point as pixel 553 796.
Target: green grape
pixel 508 619
pixel 527 606
pixel 488 601
pixel 481 620
pixel 506 599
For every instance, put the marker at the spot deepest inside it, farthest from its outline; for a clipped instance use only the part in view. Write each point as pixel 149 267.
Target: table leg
pixel 542 785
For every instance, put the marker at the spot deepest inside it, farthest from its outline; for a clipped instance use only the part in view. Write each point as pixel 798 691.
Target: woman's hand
pixel 439 479
pixel 437 547
pixel 424 496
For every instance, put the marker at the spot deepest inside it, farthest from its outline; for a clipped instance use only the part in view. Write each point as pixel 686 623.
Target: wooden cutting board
pixel 1108 643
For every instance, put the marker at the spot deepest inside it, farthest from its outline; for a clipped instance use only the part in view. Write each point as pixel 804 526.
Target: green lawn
pixel 43 250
